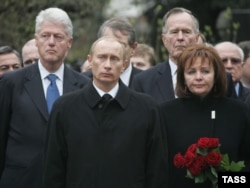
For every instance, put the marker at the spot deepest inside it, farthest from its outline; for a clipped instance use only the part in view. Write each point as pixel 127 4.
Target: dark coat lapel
pixel 164 82
pixel 33 85
pixel 133 73
pixel 70 82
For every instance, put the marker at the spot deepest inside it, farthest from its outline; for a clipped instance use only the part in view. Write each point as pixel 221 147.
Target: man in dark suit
pixel 24 113
pixel 233 58
pixel 245 77
pixel 122 30
pixel 180 29
pixel 109 142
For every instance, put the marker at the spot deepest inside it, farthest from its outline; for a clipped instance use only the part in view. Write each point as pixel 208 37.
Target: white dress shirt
pixel 112 92
pixel 125 76
pixel 173 68
pixel 44 73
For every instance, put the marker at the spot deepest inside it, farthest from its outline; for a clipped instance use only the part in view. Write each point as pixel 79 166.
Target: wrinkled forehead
pixel 181 18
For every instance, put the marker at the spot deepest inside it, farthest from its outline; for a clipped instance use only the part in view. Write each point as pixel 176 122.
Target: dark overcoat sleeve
pixel 5 103
pixel 157 161
pixel 54 172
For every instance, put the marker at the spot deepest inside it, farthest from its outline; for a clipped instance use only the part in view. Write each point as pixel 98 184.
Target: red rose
pixel 189 158
pixel 213 158
pixel 197 166
pixel 179 160
pixel 203 159
pixel 192 148
pixel 208 143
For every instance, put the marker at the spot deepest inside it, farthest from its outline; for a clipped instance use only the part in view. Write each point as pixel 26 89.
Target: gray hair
pixel 179 10
pixel 55 15
pixel 245 46
pixel 221 45
pixel 119 24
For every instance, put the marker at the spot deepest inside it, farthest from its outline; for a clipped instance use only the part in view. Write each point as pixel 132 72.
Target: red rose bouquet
pixel 203 160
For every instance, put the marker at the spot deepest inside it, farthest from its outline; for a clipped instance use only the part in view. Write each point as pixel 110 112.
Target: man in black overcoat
pixel 104 142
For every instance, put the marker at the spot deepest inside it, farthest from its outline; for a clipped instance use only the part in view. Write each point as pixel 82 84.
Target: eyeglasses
pixel 234 61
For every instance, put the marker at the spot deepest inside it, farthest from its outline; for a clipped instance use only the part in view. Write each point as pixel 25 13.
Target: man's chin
pixel 177 55
pixel 52 60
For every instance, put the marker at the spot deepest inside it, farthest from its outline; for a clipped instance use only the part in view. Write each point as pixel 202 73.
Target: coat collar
pixel 93 98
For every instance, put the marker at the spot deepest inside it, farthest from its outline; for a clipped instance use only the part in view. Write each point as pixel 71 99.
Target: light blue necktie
pixel 52 91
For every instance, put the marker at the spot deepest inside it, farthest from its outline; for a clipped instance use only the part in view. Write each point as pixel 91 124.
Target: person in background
pixel 122 30
pixel 233 58
pixel 27 96
pixel 180 29
pixel 103 141
pixel 201 39
pixel 144 57
pixel 30 53
pixel 85 66
pixel 245 77
pixel 10 59
pixel 203 110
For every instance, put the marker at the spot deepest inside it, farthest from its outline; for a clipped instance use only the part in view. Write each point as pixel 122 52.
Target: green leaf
pixel 214 172
pixel 212 175
pixel 225 159
pixel 237 166
pixel 203 152
pixel 200 179
pixel 189 175
pixel 225 163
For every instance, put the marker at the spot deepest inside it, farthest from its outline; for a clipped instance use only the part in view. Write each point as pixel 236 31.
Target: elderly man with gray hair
pixel 232 57
pixel 27 96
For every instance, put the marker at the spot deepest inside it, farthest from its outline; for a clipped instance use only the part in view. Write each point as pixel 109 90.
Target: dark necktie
pixel 106 97
pixel 52 91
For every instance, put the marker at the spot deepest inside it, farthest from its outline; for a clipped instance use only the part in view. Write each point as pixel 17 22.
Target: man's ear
pixel 124 65
pixel 163 38
pixel 197 38
pixel 133 48
pixel 89 58
pixel 70 42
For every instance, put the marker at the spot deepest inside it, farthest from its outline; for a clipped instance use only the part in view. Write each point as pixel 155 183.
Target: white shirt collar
pixel 113 92
pixel 173 67
pixel 237 87
pixel 44 72
pixel 125 76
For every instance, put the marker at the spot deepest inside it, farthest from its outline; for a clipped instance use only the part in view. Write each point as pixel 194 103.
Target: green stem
pixel 214 185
